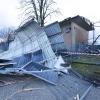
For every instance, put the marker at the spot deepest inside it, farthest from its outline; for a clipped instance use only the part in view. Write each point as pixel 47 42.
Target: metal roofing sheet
pixel 49 76
pixel 37 56
pixel 52 29
pixel 25 58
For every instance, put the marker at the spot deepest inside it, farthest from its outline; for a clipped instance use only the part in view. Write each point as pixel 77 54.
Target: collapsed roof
pixel 29 53
pixel 30 37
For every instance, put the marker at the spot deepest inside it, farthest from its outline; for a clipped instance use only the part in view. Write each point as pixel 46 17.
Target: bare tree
pixel 7 34
pixel 38 10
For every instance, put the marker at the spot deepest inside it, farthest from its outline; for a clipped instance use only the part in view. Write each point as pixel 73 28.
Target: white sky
pixel 9 13
pixel 87 8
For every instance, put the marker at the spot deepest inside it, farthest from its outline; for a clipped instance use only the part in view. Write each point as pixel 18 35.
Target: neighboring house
pixel 30 38
pixel 70 34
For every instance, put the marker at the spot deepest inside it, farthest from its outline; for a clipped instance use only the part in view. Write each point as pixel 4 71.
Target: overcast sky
pixel 9 13
pixel 87 8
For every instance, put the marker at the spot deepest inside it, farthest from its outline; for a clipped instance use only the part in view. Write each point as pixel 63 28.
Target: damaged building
pixel 70 34
pixel 30 53
pixel 30 38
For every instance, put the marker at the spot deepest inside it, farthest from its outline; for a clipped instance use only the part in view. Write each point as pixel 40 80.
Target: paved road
pixel 31 88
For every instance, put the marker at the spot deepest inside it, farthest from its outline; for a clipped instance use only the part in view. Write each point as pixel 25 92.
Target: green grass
pixel 88 59
pixel 88 70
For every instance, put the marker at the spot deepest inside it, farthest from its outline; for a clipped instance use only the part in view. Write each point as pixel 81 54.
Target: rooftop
pixel 81 21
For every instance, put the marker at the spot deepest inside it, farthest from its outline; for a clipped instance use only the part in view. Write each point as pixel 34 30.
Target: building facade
pixel 70 34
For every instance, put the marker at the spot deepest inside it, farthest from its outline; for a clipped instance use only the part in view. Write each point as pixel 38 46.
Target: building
pixel 70 34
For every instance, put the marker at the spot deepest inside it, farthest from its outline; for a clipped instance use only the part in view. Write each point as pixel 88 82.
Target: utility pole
pixel 93 32
pixel 93 36
pixel 94 29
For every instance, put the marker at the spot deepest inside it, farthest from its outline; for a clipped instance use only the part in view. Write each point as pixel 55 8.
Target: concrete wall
pixel 75 37
pixel 67 40
pixel 79 36
pixel 66 36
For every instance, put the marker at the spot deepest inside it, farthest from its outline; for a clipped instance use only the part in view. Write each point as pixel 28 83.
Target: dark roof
pixel 52 29
pixel 79 20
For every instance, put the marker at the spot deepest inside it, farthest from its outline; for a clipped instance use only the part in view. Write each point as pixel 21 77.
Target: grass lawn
pixel 88 66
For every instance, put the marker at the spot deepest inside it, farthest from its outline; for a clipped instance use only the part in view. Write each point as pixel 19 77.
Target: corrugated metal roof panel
pixel 56 39
pixel 29 39
pixel 52 29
